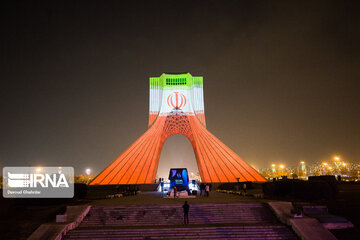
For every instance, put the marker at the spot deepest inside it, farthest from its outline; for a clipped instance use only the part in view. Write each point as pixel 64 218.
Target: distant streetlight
pixel 336 158
pixel 282 166
pixel 88 171
pixel 303 168
pixel 325 164
pixel 273 169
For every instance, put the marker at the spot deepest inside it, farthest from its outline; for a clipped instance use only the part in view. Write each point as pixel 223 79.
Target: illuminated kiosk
pixel 179 177
pixel 176 107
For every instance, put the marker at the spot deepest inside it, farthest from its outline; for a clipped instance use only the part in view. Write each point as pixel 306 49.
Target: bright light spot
pixel 344 164
pixel 302 162
pixel 193 187
pixel 336 158
pixel 88 171
pixel 166 187
pixel 273 165
pixel 282 166
pixel 325 163
pixel 39 169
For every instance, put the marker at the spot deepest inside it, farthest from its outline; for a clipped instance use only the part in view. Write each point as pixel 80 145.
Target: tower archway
pixel 177 152
pixel 177 107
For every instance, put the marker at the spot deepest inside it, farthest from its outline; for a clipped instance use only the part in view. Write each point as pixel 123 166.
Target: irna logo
pixel 35 182
pixel 16 180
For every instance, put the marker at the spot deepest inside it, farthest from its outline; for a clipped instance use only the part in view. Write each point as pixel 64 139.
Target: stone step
pixel 193 204
pixel 240 227
pixel 174 220
pixel 236 232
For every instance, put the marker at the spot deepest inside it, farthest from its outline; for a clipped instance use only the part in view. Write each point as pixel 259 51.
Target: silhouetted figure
pixel 202 189
pixel 186 207
pixel 207 189
pixel 339 178
pixel 244 189
pixel 162 186
pixel 175 191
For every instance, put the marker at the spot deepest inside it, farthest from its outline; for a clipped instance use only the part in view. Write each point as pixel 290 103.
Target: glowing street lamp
pixel 282 167
pixel 273 169
pixel 303 168
pixel 88 171
pixel 325 164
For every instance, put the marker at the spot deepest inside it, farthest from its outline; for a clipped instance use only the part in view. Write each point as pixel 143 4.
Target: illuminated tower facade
pixel 176 107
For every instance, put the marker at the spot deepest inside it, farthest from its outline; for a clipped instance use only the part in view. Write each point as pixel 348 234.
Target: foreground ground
pixel 20 218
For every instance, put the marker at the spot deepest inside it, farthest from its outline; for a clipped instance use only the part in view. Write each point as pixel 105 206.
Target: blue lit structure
pixel 179 177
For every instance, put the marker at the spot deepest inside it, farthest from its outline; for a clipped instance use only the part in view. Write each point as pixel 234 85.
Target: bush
pixel 232 185
pixel 304 190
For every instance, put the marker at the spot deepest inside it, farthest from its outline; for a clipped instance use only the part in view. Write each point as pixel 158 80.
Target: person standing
pixel 175 191
pixel 202 187
pixel 207 189
pixel 162 187
pixel 186 207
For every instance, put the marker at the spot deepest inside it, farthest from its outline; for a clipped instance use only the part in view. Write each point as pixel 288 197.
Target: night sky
pixel 281 78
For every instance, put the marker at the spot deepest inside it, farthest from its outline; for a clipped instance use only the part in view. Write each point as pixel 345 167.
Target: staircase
pixel 145 215
pixel 207 221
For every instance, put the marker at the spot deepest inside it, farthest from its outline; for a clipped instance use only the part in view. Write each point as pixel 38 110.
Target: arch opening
pixel 177 152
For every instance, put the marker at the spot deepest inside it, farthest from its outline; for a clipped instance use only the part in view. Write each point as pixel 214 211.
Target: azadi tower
pixel 176 107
